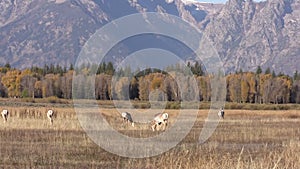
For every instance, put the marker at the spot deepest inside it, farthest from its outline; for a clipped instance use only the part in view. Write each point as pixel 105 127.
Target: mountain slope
pixel 245 33
pixel 249 34
pixel 41 32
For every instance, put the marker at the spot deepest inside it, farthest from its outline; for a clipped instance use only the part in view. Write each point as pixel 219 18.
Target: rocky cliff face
pixel 41 32
pixel 246 34
pixel 249 34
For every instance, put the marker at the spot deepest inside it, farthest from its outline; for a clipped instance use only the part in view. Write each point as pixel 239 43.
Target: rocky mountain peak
pixel 235 4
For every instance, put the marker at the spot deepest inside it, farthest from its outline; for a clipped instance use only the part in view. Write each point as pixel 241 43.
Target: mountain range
pixel 246 34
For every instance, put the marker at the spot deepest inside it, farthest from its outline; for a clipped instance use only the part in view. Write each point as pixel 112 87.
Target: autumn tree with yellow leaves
pixel 242 87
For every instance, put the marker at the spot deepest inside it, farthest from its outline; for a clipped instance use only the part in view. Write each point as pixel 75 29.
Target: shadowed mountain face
pixel 245 34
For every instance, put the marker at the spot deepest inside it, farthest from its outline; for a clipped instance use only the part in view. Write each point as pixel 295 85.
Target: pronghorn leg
pixel 127 122
pixel 153 127
pixel 123 122
pixel 51 120
pixel 4 116
pixel 165 125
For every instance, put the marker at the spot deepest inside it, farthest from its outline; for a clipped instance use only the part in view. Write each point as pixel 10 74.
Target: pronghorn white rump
pixel 161 118
pixel 50 114
pixel 221 113
pixel 4 114
pixel 127 117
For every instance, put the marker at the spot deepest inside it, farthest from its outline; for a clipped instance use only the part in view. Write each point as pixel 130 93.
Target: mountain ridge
pixel 245 33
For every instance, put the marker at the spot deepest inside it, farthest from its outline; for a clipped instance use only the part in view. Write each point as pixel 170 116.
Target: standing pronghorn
pixel 4 114
pixel 161 118
pixel 127 117
pixel 221 113
pixel 50 114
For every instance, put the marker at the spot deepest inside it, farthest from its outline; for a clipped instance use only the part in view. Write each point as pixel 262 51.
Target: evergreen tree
pixel 110 69
pixel 273 74
pixel 268 71
pixel 71 67
pixel 241 71
pixel 296 75
pixel 7 65
pixel 258 70
pixel 101 68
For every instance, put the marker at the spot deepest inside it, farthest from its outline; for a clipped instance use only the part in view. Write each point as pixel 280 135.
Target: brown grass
pixel 255 139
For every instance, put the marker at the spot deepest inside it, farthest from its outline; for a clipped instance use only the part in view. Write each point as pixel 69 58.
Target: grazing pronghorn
pixel 127 117
pixel 50 114
pixel 4 114
pixel 221 113
pixel 161 118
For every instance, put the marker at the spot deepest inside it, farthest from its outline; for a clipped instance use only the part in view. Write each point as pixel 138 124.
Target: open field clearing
pixel 255 139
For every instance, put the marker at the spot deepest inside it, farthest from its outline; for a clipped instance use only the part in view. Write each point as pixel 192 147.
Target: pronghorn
pixel 50 114
pixel 221 113
pixel 4 114
pixel 127 117
pixel 161 118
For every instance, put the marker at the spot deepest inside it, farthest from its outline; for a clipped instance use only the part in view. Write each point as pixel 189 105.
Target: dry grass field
pixel 254 139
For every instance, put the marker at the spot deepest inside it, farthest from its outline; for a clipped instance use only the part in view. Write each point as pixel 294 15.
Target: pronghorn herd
pixel 159 119
pixel 5 113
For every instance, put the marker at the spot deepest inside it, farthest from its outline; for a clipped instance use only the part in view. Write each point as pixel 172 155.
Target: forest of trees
pixel 54 80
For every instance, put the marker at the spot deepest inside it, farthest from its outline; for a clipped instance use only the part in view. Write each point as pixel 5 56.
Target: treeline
pixel 54 80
